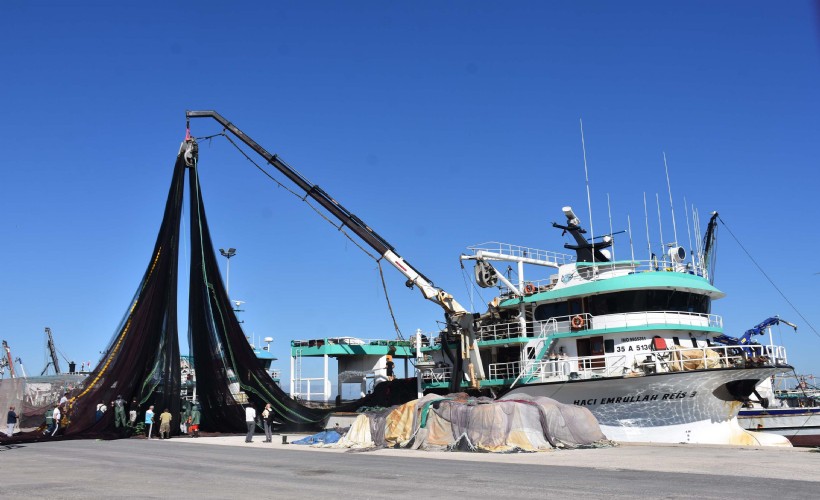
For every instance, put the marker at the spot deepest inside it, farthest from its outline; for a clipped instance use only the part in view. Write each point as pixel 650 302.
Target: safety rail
pixel 664 264
pixel 435 375
pixel 517 252
pixel 350 341
pixel 674 359
pixel 505 371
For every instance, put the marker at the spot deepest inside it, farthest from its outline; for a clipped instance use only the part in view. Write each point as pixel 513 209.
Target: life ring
pixel 577 322
pixel 529 289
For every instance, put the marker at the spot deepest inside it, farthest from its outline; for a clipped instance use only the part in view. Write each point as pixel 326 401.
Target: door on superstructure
pixel 591 348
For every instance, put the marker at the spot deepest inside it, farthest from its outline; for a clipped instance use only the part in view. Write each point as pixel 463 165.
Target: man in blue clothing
pixel 11 420
pixel 149 420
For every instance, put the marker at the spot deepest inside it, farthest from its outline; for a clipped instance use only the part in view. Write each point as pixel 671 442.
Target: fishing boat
pixel 788 405
pixel 633 341
pixel 636 342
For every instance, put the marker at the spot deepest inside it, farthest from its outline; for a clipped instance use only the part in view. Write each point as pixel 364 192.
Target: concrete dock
pixel 227 467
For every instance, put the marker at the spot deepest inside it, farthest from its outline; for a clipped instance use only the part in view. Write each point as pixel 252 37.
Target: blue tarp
pixel 324 437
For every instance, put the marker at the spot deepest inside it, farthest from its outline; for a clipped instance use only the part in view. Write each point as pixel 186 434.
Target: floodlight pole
pixel 228 254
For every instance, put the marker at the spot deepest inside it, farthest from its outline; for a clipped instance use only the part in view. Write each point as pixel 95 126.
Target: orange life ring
pixel 577 322
pixel 529 289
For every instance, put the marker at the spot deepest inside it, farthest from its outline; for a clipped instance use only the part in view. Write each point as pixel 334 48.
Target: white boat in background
pixel 788 406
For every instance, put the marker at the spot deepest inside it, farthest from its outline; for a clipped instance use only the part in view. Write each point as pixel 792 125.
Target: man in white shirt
pixel 250 419
pixel 55 416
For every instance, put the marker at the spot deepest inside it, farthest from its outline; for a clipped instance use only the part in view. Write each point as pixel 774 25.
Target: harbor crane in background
pixel 6 362
pixel 52 352
pixel 22 368
pixel 458 318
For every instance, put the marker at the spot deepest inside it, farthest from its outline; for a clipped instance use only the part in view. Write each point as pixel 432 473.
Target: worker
pixel 49 421
pixel 119 412
pixel 55 416
pixel 149 420
pixel 165 424
pixel 193 429
pixel 250 421
pixel 11 421
pixel 101 409
pixel 390 366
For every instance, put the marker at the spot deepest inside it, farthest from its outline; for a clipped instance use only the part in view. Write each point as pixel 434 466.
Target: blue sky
pixel 440 124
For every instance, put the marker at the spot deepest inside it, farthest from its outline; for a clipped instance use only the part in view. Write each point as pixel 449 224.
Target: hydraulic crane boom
pixel 460 316
pixel 746 338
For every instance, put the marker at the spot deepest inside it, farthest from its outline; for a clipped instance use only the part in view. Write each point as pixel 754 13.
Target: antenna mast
pixel 688 231
pixel 671 205
pixel 586 176
pixel 660 223
pixel 609 209
pixel 646 222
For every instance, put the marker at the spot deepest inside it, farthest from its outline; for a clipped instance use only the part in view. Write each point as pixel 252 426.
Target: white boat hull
pixel 801 426
pixel 679 407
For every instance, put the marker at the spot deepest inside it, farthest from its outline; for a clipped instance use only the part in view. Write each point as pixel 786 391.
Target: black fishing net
pixel 142 360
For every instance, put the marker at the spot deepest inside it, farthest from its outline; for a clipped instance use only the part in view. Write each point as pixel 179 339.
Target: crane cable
pixel 339 227
pixel 768 278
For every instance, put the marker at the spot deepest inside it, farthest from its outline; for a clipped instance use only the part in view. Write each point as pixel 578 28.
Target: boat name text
pixel 669 396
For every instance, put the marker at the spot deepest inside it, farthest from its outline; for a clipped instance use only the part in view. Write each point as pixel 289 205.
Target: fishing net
pixel 460 422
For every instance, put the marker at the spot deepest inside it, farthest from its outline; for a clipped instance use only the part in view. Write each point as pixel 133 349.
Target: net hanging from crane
pixel 228 373
pixel 142 359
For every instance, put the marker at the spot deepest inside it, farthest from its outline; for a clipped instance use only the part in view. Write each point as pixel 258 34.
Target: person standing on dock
pixel 119 412
pixel 56 415
pixel 165 424
pixel 250 419
pixel 133 409
pixel 193 429
pixel 101 409
pixel 11 420
pixel 267 420
pixel 49 421
pixel 149 420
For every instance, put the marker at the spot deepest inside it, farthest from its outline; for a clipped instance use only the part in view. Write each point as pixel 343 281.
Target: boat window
pixel 627 302
pixel 609 345
pixel 676 341
pixel 546 311
pixel 648 300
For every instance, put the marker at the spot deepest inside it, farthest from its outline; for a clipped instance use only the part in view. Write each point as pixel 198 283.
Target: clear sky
pixel 440 124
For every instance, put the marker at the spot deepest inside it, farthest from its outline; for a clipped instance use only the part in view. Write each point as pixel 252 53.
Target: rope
pixel 770 280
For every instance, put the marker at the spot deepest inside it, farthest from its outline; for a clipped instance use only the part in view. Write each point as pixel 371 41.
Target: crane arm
pixel 363 231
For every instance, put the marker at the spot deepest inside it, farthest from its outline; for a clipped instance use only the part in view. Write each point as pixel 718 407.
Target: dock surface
pixel 227 467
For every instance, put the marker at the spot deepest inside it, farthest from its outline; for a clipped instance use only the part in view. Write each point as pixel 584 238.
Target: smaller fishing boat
pixel 788 405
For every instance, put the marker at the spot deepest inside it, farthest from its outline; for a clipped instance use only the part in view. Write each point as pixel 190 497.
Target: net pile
pixel 457 421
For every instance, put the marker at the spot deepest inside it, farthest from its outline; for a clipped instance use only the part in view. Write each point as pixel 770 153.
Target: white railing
pixel 640 266
pixel 304 388
pixel 515 252
pixel 509 370
pixel 435 375
pixel 665 361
